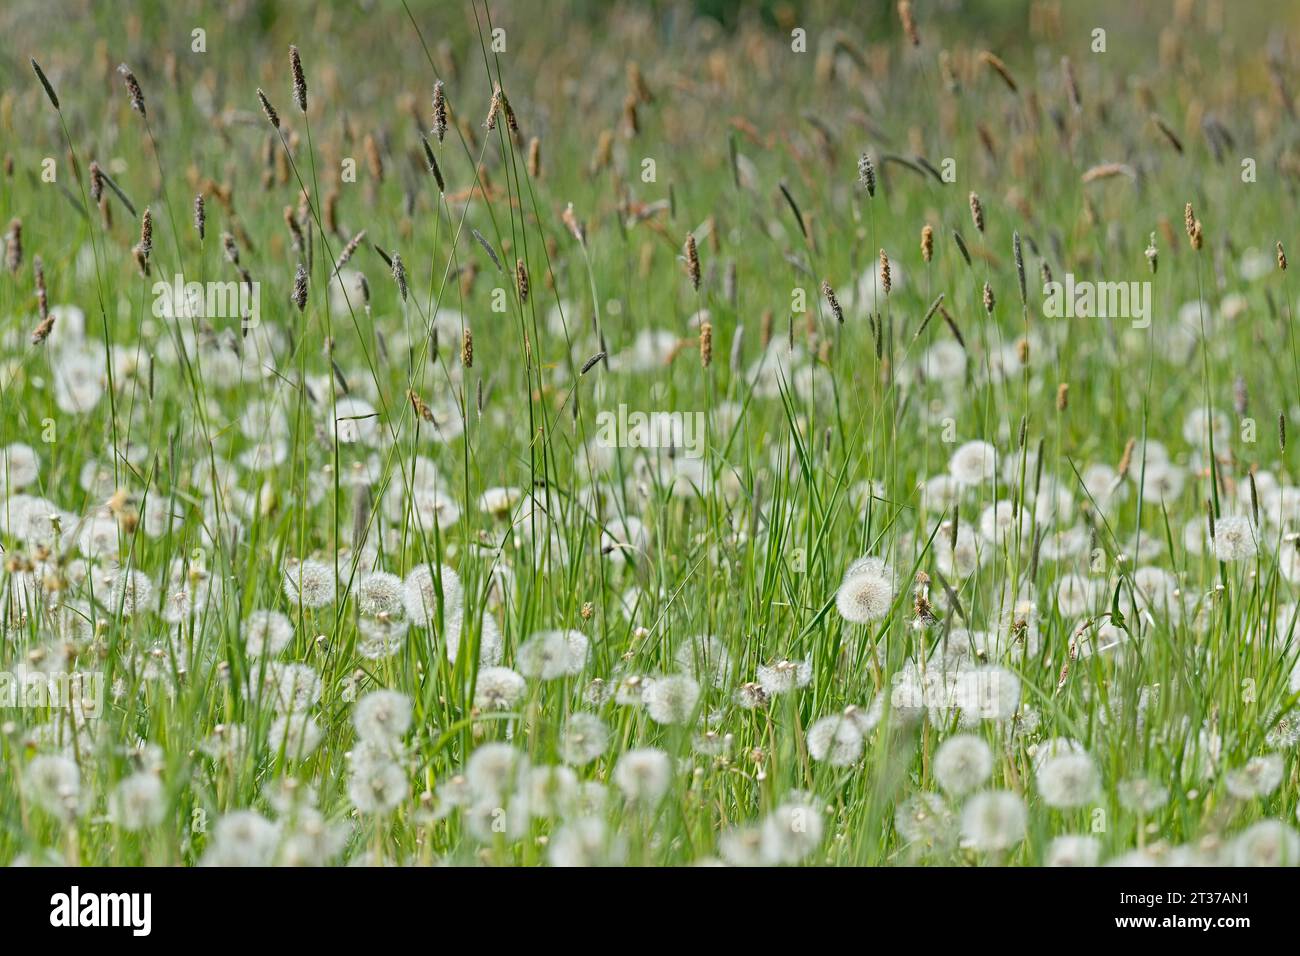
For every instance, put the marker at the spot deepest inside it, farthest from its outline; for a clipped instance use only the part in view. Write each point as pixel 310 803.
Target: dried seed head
pixel 439 112
pixel 1126 459
pixel 831 300
pixel 1020 265
pixel 885 278
pixel 706 344
pixel 1281 256
pixel 997 66
pixel 348 250
pixel 272 116
pixel 909 22
pixel 867 174
pixel 692 261
pixel 534 158
pixel 577 229
pixel 299 80
pixel 521 281
pixel 1071 86
pixel 300 287
pixel 399 276
pixel 1281 430
pixel 200 216
pixel 146 232
pixel 1189 219
pixel 373 157
pixel 133 89
pixel 977 212
pixel 422 410
pixel 494 108
pixel 989 301
pixel 232 250
pixel 467 350
pixel 49 90
pixel 765 328
pixel 96 182
pixel 433 165
pixel 1198 236
pixel 927 242
pixel 14 245
pixel 1062 396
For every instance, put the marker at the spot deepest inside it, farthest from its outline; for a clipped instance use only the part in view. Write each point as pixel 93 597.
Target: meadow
pixel 649 434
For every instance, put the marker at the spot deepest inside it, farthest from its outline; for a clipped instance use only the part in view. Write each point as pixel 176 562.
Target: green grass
pixel 750 542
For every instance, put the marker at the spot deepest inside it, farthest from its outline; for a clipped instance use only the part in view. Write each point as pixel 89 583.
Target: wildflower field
pixel 675 433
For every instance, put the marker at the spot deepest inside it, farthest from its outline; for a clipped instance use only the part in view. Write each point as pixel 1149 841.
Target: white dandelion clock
pixel 784 676
pixel 836 740
pixel 498 688
pixel 137 802
pixel 973 463
pixel 993 821
pixel 1067 780
pixel 867 592
pixel 1258 778
pixel 548 655
pixel 791 833
pixel 1073 850
pixel 382 716
pixel 585 737
pixel 266 633
pixel 1235 538
pixel 1266 843
pixel 643 775
pixel 672 699
pixel 310 583
pixel 962 764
